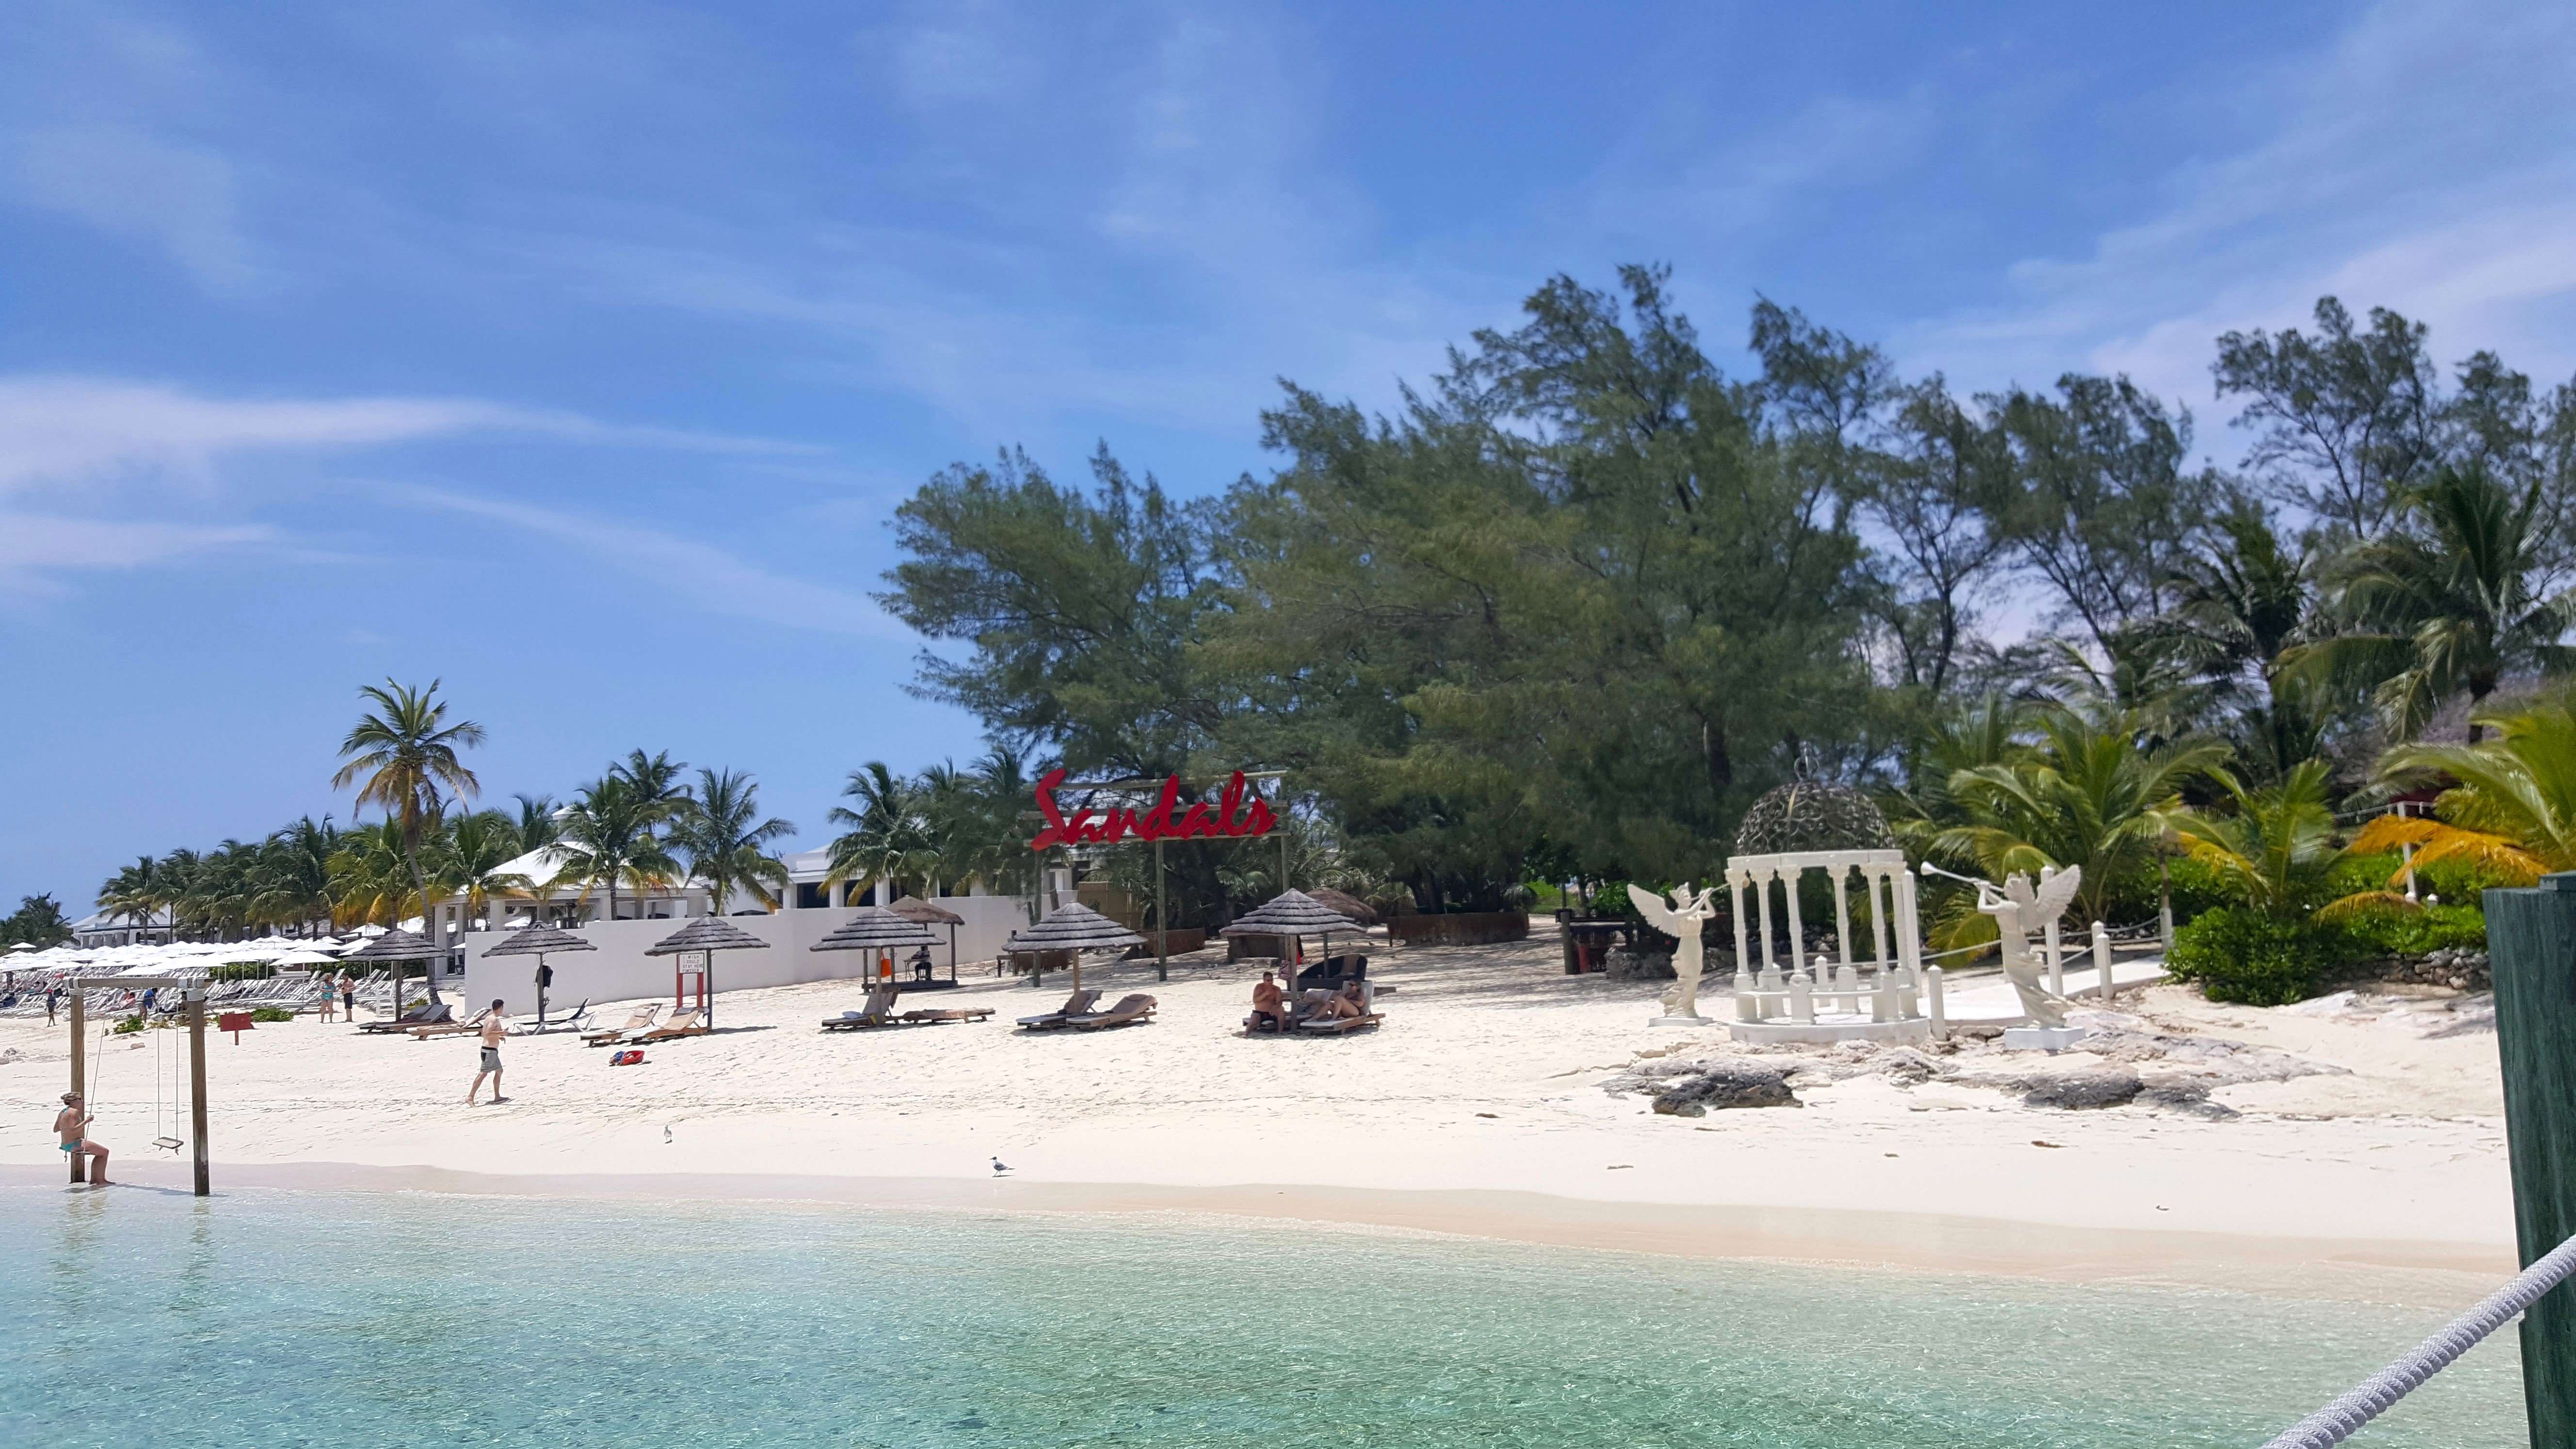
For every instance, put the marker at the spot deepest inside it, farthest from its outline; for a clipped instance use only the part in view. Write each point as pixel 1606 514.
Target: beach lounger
pixel 1075 1005
pixel 577 1019
pixel 642 1018
pixel 445 1028
pixel 1335 1026
pixel 421 1015
pixel 684 1023
pixel 879 1011
pixel 1129 1011
pixel 935 1016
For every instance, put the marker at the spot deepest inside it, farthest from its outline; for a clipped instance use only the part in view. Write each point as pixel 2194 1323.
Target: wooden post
pixel 196 999
pixel 80 1069
pixel 1162 922
pixel 2531 934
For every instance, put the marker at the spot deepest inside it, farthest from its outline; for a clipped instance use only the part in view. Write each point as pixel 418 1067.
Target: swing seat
pixel 168 1144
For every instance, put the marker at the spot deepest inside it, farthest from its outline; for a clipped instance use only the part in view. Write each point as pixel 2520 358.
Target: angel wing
pixel 1652 907
pixel 2055 894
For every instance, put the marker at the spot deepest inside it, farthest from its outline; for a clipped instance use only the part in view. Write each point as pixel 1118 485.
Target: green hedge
pixel 2418 932
pixel 2240 954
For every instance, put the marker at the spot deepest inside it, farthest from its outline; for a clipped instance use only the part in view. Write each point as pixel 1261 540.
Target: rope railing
pixel 2344 1417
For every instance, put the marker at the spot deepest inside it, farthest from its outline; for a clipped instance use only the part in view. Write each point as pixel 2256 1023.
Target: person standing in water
pixel 495 1026
pixel 72 1125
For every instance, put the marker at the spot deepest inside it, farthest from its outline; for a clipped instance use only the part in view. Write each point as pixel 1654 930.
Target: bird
pixel 1000 1167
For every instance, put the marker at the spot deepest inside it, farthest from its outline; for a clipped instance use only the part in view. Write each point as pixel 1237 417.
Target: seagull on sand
pixel 1000 1167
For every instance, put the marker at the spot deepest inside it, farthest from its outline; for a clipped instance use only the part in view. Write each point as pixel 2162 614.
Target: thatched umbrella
pixel 1291 914
pixel 877 928
pixel 537 941
pixel 709 934
pixel 398 946
pixel 1075 928
pixel 1349 905
pixel 914 908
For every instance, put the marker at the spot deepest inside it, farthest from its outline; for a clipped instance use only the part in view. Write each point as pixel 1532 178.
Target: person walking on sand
pixel 53 998
pixel 348 998
pixel 72 1125
pixel 495 1026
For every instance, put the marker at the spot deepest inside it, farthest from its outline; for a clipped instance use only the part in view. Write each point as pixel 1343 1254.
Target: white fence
pixel 620 971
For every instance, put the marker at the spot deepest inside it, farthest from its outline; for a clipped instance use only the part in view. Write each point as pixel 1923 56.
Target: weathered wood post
pixel 80 1068
pixel 1162 922
pixel 196 999
pixel 2531 940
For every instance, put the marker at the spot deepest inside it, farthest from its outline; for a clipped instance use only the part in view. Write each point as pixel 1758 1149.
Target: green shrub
pixel 2399 932
pixel 2197 887
pixel 271 1013
pixel 2239 954
pixel 130 1025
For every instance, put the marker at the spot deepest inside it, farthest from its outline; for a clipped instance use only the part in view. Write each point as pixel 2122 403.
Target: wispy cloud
pixel 699 574
pixel 132 184
pixel 72 430
pixel 34 547
pixel 2422 160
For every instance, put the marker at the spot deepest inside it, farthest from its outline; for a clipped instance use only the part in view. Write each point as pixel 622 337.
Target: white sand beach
pixel 2366 1155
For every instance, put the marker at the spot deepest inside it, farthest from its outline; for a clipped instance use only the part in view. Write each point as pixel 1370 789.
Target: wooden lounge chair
pixel 879 1011
pixel 450 1027
pixel 1129 1011
pixel 642 1018
pixel 934 1016
pixel 1336 1025
pixel 1075 1005
pixel 682 1023
pixel 422 1015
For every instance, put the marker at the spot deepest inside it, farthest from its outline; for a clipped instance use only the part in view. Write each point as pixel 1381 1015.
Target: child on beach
pixel 70 1125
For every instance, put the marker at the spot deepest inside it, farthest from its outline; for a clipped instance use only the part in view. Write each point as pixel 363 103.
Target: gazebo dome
pixel 1812 815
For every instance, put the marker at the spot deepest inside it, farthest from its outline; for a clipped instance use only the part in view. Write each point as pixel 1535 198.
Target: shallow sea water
pixel 278 1318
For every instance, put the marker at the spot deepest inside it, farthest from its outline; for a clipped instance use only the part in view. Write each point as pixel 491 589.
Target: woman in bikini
pixel 69 1125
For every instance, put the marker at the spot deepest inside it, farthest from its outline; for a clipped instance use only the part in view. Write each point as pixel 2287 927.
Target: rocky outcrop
pixel 1626 963
pixel 2085 1090
pixel 1729 1085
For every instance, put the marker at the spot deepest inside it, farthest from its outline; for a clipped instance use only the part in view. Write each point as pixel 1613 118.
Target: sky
pixel 576 356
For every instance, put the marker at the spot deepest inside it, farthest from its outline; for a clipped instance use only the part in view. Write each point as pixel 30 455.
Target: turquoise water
pixel 281 1318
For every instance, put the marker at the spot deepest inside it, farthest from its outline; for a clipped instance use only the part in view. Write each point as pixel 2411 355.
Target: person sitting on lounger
pixel 1344 1004
pixel 1269 1002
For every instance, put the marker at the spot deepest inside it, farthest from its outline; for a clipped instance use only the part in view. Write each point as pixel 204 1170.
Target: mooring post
pixel 2531 938
pixel 196 999
pixel 80 1069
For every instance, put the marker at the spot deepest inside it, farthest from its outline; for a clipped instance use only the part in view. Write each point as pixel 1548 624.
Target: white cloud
pixel 73 430
pixel 135 185
pixel 34 546
pixel 2422 161
pixel 699 574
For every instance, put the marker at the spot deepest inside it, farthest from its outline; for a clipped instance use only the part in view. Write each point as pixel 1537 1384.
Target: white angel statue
pixel 2018 910
pixel 1682 921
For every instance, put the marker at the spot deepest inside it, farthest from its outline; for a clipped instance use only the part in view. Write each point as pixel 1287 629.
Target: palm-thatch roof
pixel 914 908
pixel 1074 928
pixel 877 928
pixel 537 940
pixel 707 933
pixel 1289 913
pixel 397 945
pixel 1349 905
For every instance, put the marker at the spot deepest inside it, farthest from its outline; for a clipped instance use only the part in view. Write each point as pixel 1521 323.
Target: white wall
pixel 620 971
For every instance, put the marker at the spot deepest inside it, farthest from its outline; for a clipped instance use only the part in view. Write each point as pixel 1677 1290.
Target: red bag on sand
pixel 628 1058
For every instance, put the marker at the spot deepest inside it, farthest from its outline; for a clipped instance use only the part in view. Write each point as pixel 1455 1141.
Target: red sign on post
pixel 1237 813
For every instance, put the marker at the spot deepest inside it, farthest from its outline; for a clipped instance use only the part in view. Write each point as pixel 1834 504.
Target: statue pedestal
pixel 2042 1038
pixel 1680 1021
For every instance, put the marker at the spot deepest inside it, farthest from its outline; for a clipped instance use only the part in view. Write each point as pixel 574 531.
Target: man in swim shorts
pixel 70 1124
pixel 495 1026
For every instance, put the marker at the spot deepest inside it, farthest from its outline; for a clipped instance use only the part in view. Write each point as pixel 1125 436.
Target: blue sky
pixel 577 354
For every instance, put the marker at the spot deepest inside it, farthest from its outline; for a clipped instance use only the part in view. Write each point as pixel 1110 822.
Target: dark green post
pixel 2531 941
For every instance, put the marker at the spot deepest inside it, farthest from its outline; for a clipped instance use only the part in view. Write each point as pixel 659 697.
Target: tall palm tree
pixel 295 872
pixel 2277 844
pixel 611 837
pixel 723 840
pixel 2449 605
pixel 405 753
pixel 2089 794
pixel 536 825
pixel 889 836
pixel 2512 811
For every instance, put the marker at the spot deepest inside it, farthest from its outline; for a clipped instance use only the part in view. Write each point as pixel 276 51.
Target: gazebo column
pixel 1840 872
pixel 1797 928
pixel 1747 1006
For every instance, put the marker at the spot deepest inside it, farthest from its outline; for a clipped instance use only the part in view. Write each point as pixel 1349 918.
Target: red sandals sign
pixel 1237 812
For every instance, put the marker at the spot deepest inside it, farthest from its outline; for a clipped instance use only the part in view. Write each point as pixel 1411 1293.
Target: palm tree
pixel 716 834
pixel 405 752
pixel 889 836
pixel 370 876
pixel 536 828
pixel 2448 605
pixel 655 777
pixel 295 873
pixel 2089 794
pixel 611 836
pixel 129 892
pixel 2277 844
pixel 468 855
pixel 2513 810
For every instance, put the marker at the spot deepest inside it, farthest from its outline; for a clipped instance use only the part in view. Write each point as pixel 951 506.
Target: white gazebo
pixel 1872 986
